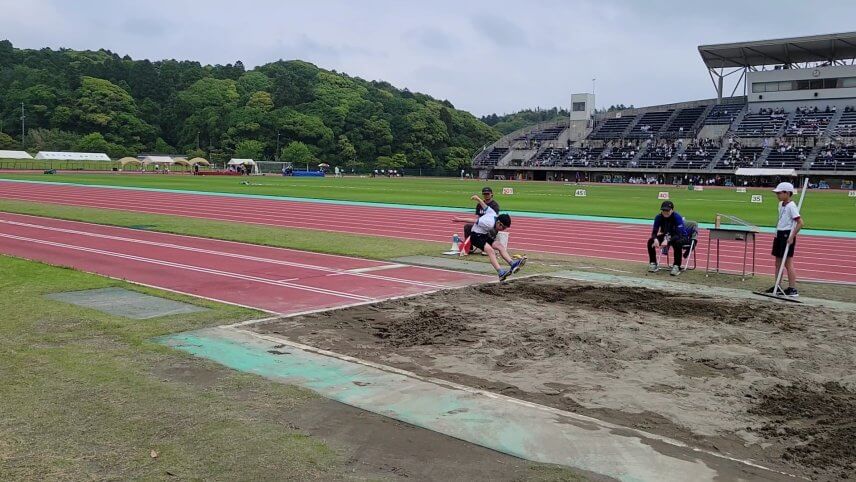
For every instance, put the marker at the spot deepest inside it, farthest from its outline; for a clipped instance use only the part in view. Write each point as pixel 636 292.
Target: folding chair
pixel 690 249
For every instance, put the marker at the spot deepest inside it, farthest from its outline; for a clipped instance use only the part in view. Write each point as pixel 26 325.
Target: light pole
pixel 276 154
pixel 23 127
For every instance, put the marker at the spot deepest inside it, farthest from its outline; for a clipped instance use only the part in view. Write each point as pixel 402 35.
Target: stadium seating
pixel 649 124
pixel 624 153
pixel 786 157
pixel 697 155
pixel 738 156
pixel 762 124
pixel 809 123
pixel 846 126
pixel 494 156
pixel 549 157
pixel 723 114
pixel 582 157
pixel 612 128
pixel 549 134
pixel 683 123
pixel 658 156
pixel 835 158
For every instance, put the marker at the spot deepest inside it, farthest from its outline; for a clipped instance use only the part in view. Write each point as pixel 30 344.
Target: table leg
pixel 717 256
pixel 707 266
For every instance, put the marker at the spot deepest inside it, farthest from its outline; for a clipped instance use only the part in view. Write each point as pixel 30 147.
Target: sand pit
pixel 733 376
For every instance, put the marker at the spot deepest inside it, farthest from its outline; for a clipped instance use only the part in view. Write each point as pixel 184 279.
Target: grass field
pixel 90 396
pixel 84 395
pixel 831 210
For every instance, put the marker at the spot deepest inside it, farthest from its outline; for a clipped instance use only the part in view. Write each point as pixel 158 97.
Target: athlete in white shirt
pixel 483 237
pixel 789 224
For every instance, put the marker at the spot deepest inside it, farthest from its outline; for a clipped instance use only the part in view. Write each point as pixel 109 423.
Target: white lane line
pixel 728 266
pixel 215 272
pixel 544 237
pixel 351 272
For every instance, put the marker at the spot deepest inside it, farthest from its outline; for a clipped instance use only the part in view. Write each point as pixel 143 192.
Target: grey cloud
pixel 501 31
pixel 432 38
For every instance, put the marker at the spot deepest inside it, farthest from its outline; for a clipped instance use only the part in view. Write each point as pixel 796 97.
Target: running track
pixel 820 258
pixel 281 281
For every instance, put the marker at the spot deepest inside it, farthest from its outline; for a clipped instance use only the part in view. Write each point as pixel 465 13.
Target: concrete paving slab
pixel 126 303
pixel 448 262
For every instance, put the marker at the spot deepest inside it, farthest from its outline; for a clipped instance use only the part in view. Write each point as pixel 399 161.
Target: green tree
pixel 7 142
pixel 261 100
pixel 249 149
pixel 347 153
pixel 458 158
pixel 162 147
pixel 397 161
pixel 297 153
pixel 94 142
pixel 106 107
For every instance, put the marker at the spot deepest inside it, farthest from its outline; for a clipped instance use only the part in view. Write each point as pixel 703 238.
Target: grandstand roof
pixel 812 48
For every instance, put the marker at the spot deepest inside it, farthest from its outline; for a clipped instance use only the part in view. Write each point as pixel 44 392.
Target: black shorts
pixel 780 242
pixel 479 240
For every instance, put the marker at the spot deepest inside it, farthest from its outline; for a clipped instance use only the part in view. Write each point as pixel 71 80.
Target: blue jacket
pixel 672 225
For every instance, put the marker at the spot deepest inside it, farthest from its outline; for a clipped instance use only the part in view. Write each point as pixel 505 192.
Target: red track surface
pixel 273 279
pixel 818 258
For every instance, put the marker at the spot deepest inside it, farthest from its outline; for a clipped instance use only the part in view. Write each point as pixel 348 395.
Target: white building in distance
pixel 73 156
pixel 15 155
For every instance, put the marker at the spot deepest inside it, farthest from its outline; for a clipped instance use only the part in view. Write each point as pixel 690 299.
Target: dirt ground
pixel 766 381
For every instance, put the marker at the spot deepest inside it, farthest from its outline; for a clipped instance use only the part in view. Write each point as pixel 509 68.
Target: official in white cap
pixel 789 224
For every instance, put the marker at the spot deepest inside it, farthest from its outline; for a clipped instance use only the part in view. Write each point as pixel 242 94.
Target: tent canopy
pixel 244 162
pixel 181 161
pixel 15 155
pixel 158 160
pixel 750 171
pixel 129 160
pixel 73 156
pixel 201 161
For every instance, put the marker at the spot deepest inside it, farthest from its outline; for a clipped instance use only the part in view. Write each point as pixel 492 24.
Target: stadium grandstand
pixel 797 110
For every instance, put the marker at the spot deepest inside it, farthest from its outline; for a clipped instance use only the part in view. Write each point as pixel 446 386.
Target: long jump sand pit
pixel 765 381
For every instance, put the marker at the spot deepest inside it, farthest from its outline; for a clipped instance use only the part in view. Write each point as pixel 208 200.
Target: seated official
pixel 668 230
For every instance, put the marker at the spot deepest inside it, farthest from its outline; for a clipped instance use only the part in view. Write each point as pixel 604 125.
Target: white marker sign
pixel 663 195
pixel 851 194
pixel 757 198
pixel 741 189
pixel 580 193
pixel 698 188
pixel 508 191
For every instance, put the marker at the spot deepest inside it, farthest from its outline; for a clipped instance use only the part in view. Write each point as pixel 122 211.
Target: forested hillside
pixel 100 101
pixel 508 123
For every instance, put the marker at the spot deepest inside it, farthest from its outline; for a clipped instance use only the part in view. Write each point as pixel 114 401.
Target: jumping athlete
pixel 487 193
pixel 483 237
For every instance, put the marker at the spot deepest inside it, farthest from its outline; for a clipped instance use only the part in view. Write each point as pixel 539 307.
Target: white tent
pixel 15 155
pixel 751 171
pixel 165 160
pixel 73 156
pixel 245 162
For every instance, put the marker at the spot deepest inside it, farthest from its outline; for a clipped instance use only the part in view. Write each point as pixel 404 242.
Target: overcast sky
pixel 483 56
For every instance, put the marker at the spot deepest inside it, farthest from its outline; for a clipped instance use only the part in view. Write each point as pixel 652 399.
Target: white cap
pixel 784 187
